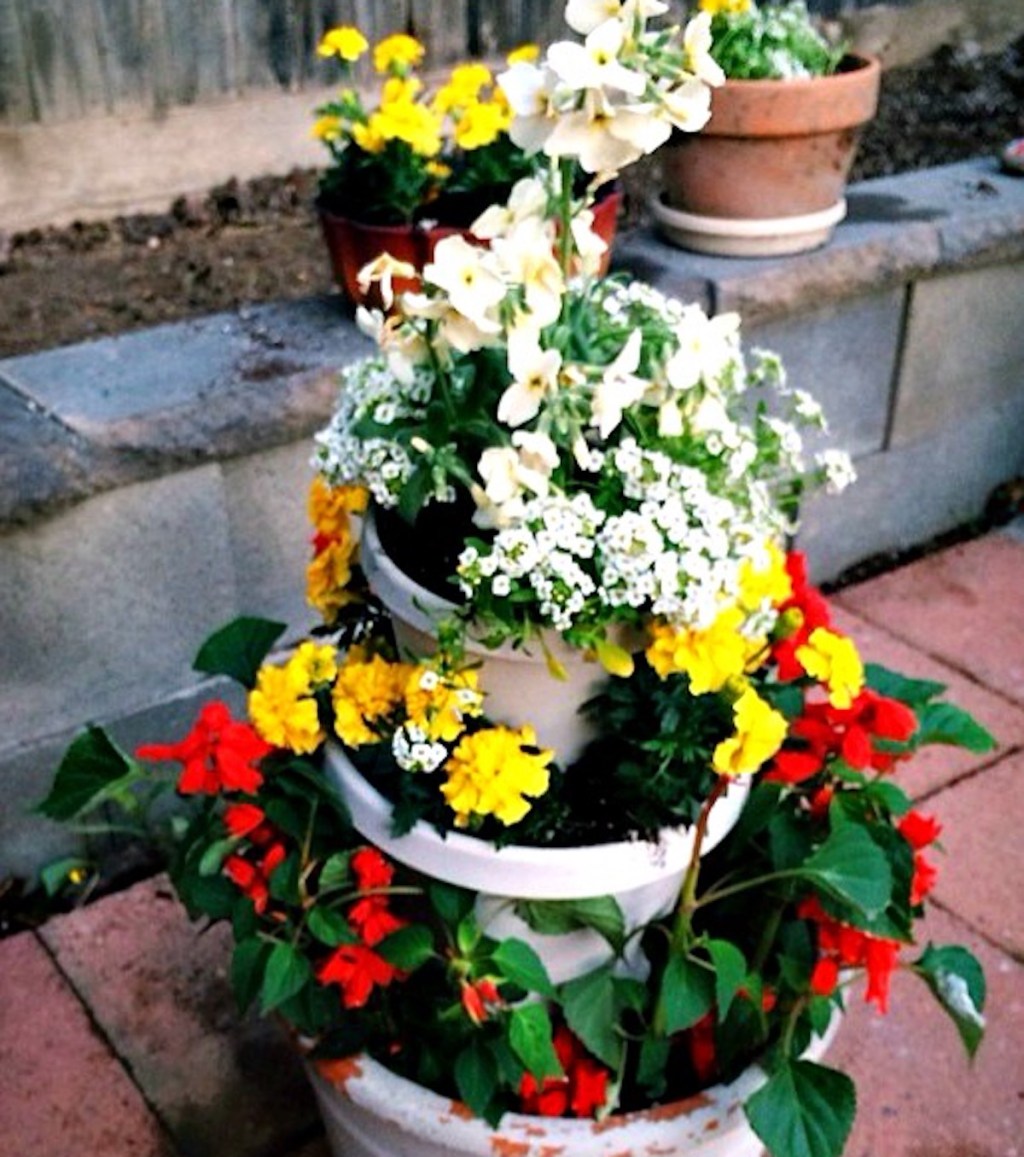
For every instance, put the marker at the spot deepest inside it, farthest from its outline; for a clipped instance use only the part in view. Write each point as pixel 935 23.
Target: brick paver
pixel 918 1096
pixel 62 1092
pixel 962 605
pixel 160 990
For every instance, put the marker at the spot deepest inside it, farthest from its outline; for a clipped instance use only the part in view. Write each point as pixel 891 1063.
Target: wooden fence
pixel 65 59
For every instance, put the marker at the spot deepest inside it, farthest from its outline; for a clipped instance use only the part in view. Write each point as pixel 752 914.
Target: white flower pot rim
pixel 699 1124
pixel 532 873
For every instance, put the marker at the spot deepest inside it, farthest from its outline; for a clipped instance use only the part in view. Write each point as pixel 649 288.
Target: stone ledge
pixel 88 418
pixel 92 417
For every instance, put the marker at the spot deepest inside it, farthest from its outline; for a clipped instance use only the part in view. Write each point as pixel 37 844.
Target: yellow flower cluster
pixel 833 660
pixel 401 118
pixel 282 706
pixel 335 545
pixel 478 110
pixel 490 772
pixel 439 704
pixel 368 690
pixel 722 653
pixel 725 7
pixel 760 731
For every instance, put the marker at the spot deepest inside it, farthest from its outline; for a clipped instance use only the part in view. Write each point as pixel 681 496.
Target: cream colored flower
pixel 688 105
pixel 697 50
pixel 527 258
pixel 534 373
pixel 527 88
pixel 595 63
pixel 527 199
pixel 468 276
pixel 619 387
pixel 383 269
pixel 590 248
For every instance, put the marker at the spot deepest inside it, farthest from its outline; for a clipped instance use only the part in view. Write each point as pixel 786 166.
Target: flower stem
pixel 565 171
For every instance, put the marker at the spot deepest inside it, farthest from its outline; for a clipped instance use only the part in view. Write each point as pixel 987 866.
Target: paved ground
pixel 118 1037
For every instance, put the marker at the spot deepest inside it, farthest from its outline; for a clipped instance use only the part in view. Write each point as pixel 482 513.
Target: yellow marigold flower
pixel 772 584
pixel 330 506
pixel 463 86
pixel 524 54
pixel 328 576
pixel 441 704
pixel 489 773
pixel 417 126
pixel 833 660
pixel 480 124
pixel 344 41
pixel 760 731
pixel 439 170
pixel 326 128
pixel 400 90
pixel 318 662
pixel 365 693
pixel 726 7
pixel 368 138
pixel 281 710
pixel 397 53
pixel 710 657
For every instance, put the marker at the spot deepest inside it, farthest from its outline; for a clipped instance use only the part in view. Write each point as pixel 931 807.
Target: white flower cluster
pixel 548 551
pixel 414 750
pixel 370 390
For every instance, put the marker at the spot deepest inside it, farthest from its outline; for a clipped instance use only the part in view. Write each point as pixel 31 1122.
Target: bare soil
pixel 259 241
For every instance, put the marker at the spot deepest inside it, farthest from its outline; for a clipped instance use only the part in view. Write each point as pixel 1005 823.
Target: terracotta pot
pixel 643 876
pixel 370 1112
pixel 352 244
pixel 773 149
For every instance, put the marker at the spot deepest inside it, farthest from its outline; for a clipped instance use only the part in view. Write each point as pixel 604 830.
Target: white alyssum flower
pixel 414 750
pixel 839 469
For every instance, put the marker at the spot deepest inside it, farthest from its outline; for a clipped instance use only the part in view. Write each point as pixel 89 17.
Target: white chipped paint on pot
pixel 368 1111
pixel 520 688
pixel 643 876
pixel 743 237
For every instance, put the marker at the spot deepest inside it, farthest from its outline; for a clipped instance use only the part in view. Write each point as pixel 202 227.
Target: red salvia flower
pixel 218 754
pixel 371 869
pixel 254 878
pixel 242 819
pixel 372 919
pixel 358 970
pixel 803 612
pixel 478 997
pixel 919 831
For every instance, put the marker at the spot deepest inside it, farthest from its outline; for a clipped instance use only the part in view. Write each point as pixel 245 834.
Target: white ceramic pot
pixel 519 685
pixel 370 1112
pixel 644 877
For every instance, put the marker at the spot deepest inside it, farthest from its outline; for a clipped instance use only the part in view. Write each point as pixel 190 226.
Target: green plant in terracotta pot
pixel 767 174
pixel 486 933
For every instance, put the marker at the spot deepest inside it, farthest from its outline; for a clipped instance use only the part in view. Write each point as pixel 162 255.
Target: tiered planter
pixel 767 173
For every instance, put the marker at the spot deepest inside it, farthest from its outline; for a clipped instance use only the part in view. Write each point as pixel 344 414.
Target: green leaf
pixel 93 770
pixel 450 903
pixel 730 972
pixel 287 972
pixel 335 873
pixel 654 1058
pixel 215 854
pixel 687 993
pixel 853 867
pixel 476 1076
pixel 949 724
pixel 330 927
pixel 529 1034
pixel 248 962
pixel 520 964
pixel 956 978
pixel 555 917
pixel 914 692
pixel 591 1005
pixel 238 649
pixel 408 948
pixel 805 1110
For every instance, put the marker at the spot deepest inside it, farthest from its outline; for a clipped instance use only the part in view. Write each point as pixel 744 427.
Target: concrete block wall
pixel 153 486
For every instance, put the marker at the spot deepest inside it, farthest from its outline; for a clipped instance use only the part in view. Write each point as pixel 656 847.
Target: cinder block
pixel 103 606
pixel 270 532
pixel 844 354
pixel 964 350
pixel 909 494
